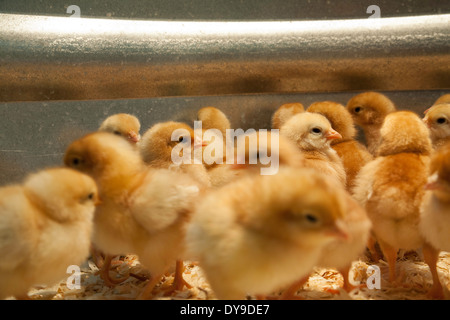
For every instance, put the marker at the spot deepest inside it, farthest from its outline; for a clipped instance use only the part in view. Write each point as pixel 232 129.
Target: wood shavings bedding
pixel 322 284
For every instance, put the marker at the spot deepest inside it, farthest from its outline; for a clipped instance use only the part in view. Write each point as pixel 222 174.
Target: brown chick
pixel 437 119
pixel 368 110
pixel 435 212
pixel 312 134
pixel 390 187
pixel 264 232
pixel 354 155
pixel 123 124
pixel 161 140
pixel 143 210
pixel 284 112
pixel 213 118
pixel 45 226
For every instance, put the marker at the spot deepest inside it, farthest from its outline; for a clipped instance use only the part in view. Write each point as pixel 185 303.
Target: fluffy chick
pixel 213 118
pixel 264 232
pixel 123 124
pixel 443 99
pixel 265 149
pixel 437 118
pixel 45 226
pixel 312 134
pixel 284 112
pixel 158 144
pixel 257 153
pixel 435 211
pixel 368 110
pixel 143 210
pixel 354 155
pixel 340 253
pixel 390 187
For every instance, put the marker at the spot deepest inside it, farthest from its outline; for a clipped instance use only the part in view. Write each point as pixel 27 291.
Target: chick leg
pixel 371 245
pixel 104 273
pixel 146 293
pixel 431 256
pixel 178 282
pixel 97 256
pixel 391 256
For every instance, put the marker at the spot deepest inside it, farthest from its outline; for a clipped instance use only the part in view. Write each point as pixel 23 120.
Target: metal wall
pixel 60 76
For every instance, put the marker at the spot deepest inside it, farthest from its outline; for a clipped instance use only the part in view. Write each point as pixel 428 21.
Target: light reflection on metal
pixel 56 58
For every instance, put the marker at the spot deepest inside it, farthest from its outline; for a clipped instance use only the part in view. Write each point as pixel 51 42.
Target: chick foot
pixel 178 282
pixel 146 293
pixel 104 273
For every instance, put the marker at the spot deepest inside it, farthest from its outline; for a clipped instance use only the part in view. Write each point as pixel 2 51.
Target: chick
pixel 157 145
pixel 267 150
pixel 354 155
pixel 45 226
pixel 260 233
pixel 435 212
pixel 312 134
pixel 443 99
pixel 213 118
pixel 340 253
pixel 283 113
pixel 368 110
pixel 390 187
pixel 143 210
pixel 123 124
pixel 437 118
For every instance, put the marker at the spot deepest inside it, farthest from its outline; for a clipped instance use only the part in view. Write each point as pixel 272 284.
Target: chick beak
pixel 427 122
pixel 425 112
pixel 338 231
pixel 199 143
pixel 332 134
pixel 433 183
pixel 97 201
pixel 133 136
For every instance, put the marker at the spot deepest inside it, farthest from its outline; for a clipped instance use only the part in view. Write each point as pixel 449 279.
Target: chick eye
pixel 117 132
pixel 358 109
pixel 76 161
pixel 311 218
pixel 316 130
pixel 441 120
pixel 180 139
pixel 91 196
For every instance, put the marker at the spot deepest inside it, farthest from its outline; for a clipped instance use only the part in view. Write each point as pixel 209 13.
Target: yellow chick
pixel 45 226
pixel 267 150
pixel 437 119
pixel 257 153
pixel 123 124
pixel 264 232
pixel 312 134
pixel 143 210
pixel 354 155
pixel 435 212
pixel 158 144
pixel 390 187
pixel 368 110
pixel 443 99
pixel 341 252
pixel 213 118
pixel 284 112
